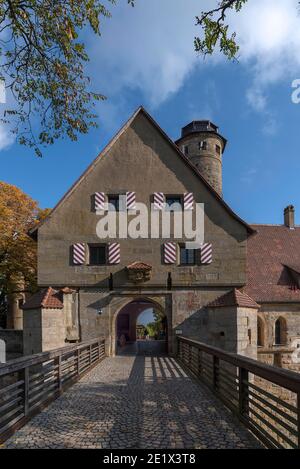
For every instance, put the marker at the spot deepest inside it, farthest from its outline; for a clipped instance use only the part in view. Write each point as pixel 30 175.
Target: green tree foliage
pixel 42 64
pixel 216 30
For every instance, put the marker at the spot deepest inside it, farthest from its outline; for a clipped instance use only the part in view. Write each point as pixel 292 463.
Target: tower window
pixel 97 254
pixel 187 256
pixel 186 150
pixel 203 145
pixel 218 149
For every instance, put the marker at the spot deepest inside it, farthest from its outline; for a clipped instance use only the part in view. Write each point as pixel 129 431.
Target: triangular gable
pixel 102 154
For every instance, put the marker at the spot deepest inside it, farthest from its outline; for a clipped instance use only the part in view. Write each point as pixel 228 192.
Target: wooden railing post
pixel 243 392
pixel 78 361
pixel 216 364
pixel 199 361
pixel 59 374
pixel 26 390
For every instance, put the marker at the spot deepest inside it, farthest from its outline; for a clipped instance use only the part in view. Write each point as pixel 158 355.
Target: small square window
pixel 203 145
pixel 187 256
pixel 97 254
pixel 173 203
pixel 114 200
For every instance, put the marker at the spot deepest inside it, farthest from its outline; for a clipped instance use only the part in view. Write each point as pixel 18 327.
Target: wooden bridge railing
pixel 265 398
pixel 30 383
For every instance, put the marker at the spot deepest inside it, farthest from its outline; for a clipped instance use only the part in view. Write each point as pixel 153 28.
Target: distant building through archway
pixel 132 319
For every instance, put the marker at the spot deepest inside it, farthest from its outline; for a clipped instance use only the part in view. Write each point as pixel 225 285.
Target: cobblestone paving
pixel 134 402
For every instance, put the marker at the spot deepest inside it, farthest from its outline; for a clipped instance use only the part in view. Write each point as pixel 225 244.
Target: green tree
pixel 42 64
pixel 216 29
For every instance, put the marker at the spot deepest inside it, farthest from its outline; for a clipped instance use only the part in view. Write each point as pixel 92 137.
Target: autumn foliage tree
pixel 18 252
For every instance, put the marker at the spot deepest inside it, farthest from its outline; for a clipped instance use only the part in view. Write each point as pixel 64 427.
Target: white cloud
pixel 268 32
pixel 149 50
pixel 6 137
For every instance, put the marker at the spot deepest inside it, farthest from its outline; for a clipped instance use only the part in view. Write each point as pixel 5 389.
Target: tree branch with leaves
pixel 42 65
pixel 216 29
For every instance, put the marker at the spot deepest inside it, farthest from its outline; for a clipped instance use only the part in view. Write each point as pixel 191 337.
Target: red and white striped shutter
pixel 159 200
pixel 114 253
pixel 130 200
pixel 99 201
pixel 206 253
pixel 170 253
pixel 79 253
pixel 188 201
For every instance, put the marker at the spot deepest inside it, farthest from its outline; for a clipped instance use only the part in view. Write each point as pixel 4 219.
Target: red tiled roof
pixel 45 298
pixel 272 252
pixel 234 298
pixel 139 266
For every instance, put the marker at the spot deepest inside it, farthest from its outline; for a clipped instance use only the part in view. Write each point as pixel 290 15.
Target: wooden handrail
pixel 19 363
pixel 286 378
pixel 265 398
pixel 38 379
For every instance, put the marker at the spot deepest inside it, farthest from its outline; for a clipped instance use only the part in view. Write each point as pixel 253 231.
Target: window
pixel 186 150
pixel 260 332
pixel 280 332
pixel 218 149
pixel 203 145
pixel 97 254
pixel 187 256
pixel 114 200
pixel 171 200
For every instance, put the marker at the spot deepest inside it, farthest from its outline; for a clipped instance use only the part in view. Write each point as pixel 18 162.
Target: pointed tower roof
pixel 45 298
pixel 234 298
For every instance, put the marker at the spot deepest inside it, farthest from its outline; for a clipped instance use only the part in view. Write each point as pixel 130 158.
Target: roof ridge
pixel 45 297
pixel 174 146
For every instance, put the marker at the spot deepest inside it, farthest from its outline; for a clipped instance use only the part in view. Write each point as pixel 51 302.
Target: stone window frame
pixel 282 331
pixel 180 264
pixel 91 245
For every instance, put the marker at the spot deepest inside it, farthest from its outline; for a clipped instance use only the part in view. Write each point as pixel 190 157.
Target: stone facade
pixel 208 159
pixel 142 159
pixel 284 354
pixel 44 329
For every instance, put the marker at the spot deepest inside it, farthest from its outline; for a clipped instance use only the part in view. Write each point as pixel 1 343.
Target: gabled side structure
pixel 114 279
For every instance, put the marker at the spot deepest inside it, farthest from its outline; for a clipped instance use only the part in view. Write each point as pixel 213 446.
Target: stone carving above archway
pixel 139 272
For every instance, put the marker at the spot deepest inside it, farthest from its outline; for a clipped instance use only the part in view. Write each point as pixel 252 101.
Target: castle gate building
pixel 95 286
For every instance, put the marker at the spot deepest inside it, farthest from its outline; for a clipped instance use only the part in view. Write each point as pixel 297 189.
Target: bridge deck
pixel 135 402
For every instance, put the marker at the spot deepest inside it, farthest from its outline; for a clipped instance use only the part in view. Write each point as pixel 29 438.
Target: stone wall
pixel 208 161
pixel 140 150
pixel 13 342
pixel 44 329
pixel 284 355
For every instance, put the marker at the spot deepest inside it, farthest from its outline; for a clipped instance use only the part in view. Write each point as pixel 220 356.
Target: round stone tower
pixel 201 142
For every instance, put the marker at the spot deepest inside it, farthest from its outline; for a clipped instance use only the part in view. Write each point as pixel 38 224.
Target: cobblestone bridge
pixel 134 402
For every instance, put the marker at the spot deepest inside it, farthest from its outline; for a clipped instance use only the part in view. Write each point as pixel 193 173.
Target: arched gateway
pixel 125 336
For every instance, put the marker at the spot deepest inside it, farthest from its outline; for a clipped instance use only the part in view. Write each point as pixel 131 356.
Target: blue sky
pixel 146 317
pixel 145 56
